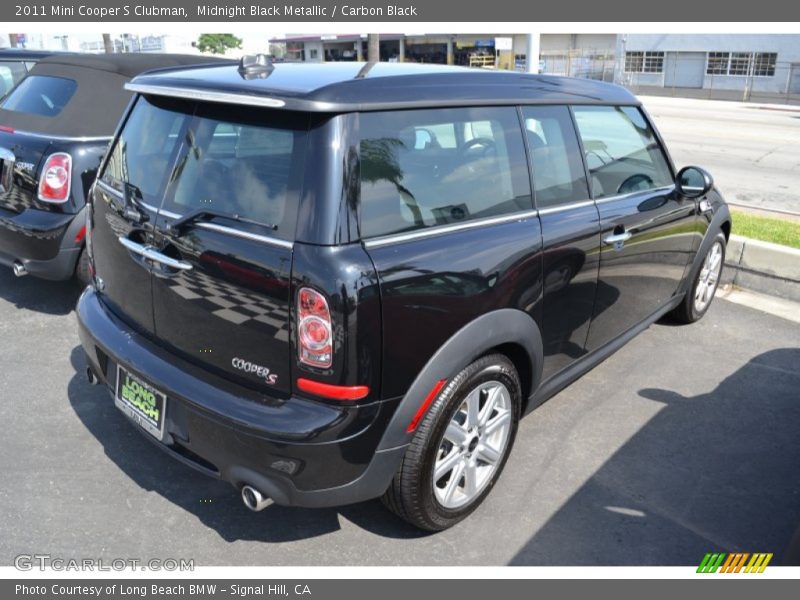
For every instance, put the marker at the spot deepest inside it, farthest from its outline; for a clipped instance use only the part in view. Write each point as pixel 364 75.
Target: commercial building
pixel 729 66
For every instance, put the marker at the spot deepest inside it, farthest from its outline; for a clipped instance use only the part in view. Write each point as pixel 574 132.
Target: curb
pixel 762 267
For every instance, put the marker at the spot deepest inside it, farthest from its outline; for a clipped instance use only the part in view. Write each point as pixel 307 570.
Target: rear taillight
pixel 314 339
pixel 55 181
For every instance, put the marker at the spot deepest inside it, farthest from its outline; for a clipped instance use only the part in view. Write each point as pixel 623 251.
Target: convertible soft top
pixel 100 98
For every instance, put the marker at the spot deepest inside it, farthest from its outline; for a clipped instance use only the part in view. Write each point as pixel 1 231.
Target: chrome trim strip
pixel 445 229
pixel 629 194
pixel 165 213
pixel 245 235
pixel 557 209
pixel 583 203
pixel 67 138
pixel 205 95
pixel 107 188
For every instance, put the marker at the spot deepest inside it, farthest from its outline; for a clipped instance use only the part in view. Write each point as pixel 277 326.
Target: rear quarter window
pixel 423 168
pixel 41 95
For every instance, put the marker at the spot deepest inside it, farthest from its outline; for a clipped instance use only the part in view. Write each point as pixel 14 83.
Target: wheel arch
pixel 721 222
pixel 511 332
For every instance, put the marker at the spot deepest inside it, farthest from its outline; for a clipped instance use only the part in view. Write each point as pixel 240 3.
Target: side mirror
pixel 693 182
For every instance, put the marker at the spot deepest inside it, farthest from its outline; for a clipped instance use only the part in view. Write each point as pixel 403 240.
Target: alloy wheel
pixel 473 445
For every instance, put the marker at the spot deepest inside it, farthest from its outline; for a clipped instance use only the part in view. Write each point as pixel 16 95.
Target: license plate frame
pixel 141 402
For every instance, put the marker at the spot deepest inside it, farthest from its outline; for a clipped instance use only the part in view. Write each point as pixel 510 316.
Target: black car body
pixel 314 269
pixel 59 121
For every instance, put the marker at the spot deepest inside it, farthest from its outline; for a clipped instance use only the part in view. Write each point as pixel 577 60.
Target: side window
pixel 558 176
pixel 422 168
pixel 622 152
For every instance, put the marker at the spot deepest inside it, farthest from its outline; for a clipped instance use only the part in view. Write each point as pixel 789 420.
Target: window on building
pixel 644 62
pixel 634 61
pixel 718 63
pixel 411 178
pixel 740 63
pixel 764 64
pixel 758 64
pixel 653 62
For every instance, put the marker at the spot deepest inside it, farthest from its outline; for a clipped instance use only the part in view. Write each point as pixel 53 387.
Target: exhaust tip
pixel 19 269
pixel 90 376
pixel 253 499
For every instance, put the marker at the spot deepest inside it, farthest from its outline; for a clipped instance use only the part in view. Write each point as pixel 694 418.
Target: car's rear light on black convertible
pixel 56 178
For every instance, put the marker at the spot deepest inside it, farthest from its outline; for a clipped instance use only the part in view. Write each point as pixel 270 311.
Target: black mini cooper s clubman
pixel 330 283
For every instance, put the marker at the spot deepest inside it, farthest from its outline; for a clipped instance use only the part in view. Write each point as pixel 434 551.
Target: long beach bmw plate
pixel 141 402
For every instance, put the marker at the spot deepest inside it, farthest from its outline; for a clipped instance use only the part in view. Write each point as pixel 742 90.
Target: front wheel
pixel 460 447
pixel 705 283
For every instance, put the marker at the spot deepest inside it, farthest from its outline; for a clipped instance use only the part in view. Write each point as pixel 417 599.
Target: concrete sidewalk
pixel 762 267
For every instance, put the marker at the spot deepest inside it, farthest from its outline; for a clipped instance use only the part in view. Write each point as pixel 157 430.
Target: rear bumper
pixel 297 451
pixel 44 242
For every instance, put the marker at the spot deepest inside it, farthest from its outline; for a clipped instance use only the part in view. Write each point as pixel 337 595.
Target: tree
pixel 108 45
pixel 218 43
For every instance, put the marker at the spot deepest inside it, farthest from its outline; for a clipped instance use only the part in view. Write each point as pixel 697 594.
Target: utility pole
pixel 12 40
pixel 108 44
pixel 373 47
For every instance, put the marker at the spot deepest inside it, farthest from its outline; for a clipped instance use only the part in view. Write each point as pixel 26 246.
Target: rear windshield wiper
pixel 133 201
pixel 201 214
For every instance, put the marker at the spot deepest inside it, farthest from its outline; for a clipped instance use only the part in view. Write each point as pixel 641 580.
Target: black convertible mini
pixel 329 283
pixel 55 126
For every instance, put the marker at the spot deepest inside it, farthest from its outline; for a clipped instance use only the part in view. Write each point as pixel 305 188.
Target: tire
pixel 433 506
pixel 82 273
pixel 708 276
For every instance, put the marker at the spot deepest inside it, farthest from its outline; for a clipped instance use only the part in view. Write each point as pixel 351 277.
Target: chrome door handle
pixel 618 238
pixel 151 253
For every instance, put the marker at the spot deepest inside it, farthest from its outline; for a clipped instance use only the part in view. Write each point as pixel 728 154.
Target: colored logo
pixel 736 562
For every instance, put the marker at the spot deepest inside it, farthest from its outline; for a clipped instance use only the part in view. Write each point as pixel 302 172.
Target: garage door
pixel 794 80
pixel 684 69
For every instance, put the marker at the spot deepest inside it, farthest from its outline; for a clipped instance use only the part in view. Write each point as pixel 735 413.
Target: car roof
pixel 127 65
pixel 353 86
pixel 24 54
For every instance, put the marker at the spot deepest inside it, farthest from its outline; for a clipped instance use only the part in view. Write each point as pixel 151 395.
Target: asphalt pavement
pixel 752 150
pixel 683 442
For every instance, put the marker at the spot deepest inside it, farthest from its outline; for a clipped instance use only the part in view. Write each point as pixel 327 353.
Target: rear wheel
pixel 460 447
pixel 705 284
pixel 82 273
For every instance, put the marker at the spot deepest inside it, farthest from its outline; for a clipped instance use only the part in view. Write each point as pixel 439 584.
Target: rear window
pixel 423 168
pixel 185 157
pixel 41 95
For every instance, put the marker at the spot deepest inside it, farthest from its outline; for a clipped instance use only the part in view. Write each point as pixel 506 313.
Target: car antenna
pixel 256 66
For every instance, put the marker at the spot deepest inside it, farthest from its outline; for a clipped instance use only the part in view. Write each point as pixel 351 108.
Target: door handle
pixel 151 253
pixel 618 238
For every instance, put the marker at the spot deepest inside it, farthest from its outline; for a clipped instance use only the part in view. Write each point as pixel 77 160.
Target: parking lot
pixel 684 442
